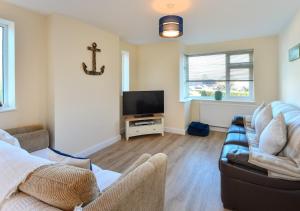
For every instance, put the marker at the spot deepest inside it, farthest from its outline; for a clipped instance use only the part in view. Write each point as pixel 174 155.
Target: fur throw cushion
pixel 61 186
pixel 256 112
pixel 263 118
pixel 274 136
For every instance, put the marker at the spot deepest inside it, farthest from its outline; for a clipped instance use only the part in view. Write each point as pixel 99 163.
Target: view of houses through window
pixel 231 73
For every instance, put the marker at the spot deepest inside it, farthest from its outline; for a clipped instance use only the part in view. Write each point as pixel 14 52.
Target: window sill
pixel 239 101
pixel 7 109
pixel 185 100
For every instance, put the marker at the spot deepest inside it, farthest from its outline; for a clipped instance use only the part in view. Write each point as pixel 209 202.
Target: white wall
pixel 158 69
pixel 31 67
pixel 85 109
pixel 289 72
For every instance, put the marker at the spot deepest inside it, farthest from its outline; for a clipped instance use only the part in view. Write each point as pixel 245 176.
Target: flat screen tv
pixel 143 103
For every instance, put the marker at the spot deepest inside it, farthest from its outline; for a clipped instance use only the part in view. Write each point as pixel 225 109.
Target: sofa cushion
pixel 280 107
pixel 291 116
pixel 236 129
pixel 263 119
pixel 236 138
pixel 274 136
pixel 255 114
pixel 61 186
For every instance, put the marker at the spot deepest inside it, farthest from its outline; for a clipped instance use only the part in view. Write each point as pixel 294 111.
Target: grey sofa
pixel 141 187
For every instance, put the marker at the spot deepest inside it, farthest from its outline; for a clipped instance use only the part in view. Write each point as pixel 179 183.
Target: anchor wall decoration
pixel 94 50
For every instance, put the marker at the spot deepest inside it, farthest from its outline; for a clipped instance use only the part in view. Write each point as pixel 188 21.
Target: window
pixel 230 72
pixel 125 71
pixel 2 54
pixel 7 65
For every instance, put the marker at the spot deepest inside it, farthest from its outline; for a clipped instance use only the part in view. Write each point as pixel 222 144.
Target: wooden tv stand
pixel 136 126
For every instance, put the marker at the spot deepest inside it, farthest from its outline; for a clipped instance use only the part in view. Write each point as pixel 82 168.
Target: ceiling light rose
pixel 171 26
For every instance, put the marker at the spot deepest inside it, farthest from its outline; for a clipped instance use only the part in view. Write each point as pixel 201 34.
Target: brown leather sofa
pixel 248 187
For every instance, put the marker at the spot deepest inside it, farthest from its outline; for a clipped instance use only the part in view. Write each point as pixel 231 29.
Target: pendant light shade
pixel 171 26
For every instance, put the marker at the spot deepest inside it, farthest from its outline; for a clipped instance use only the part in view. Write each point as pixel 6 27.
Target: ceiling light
pixel 171 26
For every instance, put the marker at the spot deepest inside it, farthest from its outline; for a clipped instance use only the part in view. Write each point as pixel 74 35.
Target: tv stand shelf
pixel 136 126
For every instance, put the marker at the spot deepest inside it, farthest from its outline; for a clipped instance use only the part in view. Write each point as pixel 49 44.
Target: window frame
pixel 8 65
pixel 228 67
pixel 125 86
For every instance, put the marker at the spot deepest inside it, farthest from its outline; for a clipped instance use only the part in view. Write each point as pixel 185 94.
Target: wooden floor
pixel 193 181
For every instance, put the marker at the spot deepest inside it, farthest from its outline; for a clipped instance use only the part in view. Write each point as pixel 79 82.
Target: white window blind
pixel 229 72
pixel 1 66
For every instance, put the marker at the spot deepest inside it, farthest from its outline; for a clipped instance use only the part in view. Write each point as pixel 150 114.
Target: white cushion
pixel 274 137
pixel 105 178
pixel 263 118
pixel 72 161
pixel 6 137
pixel 255 113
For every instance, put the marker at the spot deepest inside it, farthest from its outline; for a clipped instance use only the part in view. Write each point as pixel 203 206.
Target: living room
pixel 152 88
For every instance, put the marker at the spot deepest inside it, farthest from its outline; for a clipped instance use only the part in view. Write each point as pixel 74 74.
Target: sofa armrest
pixel 141 189
pixel 238 120
pixel 31 138
pixel 22 130
pixel 142 159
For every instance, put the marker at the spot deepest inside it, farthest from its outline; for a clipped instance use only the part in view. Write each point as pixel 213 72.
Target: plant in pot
pixel 218 95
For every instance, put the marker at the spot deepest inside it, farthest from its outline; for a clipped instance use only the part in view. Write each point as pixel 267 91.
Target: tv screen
pixel 143 102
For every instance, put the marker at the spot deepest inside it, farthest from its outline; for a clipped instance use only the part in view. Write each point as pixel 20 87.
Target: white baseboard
pixel 103 144
pixel 218 129
pixel 175 130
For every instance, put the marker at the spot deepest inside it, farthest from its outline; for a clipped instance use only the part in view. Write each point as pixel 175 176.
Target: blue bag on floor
pixel 198 129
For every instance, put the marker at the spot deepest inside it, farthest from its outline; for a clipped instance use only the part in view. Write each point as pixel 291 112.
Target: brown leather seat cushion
pixel 251 175
pixel 237 138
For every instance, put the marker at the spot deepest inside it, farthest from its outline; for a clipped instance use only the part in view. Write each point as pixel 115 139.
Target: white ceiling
pixel 204 20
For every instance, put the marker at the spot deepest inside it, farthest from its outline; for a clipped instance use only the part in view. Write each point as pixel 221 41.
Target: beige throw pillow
pixel 255 113
pixel 263 118
pixel 274 136
pixel 61 186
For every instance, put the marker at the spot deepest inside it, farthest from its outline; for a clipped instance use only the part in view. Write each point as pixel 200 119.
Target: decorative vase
pixel 218 95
